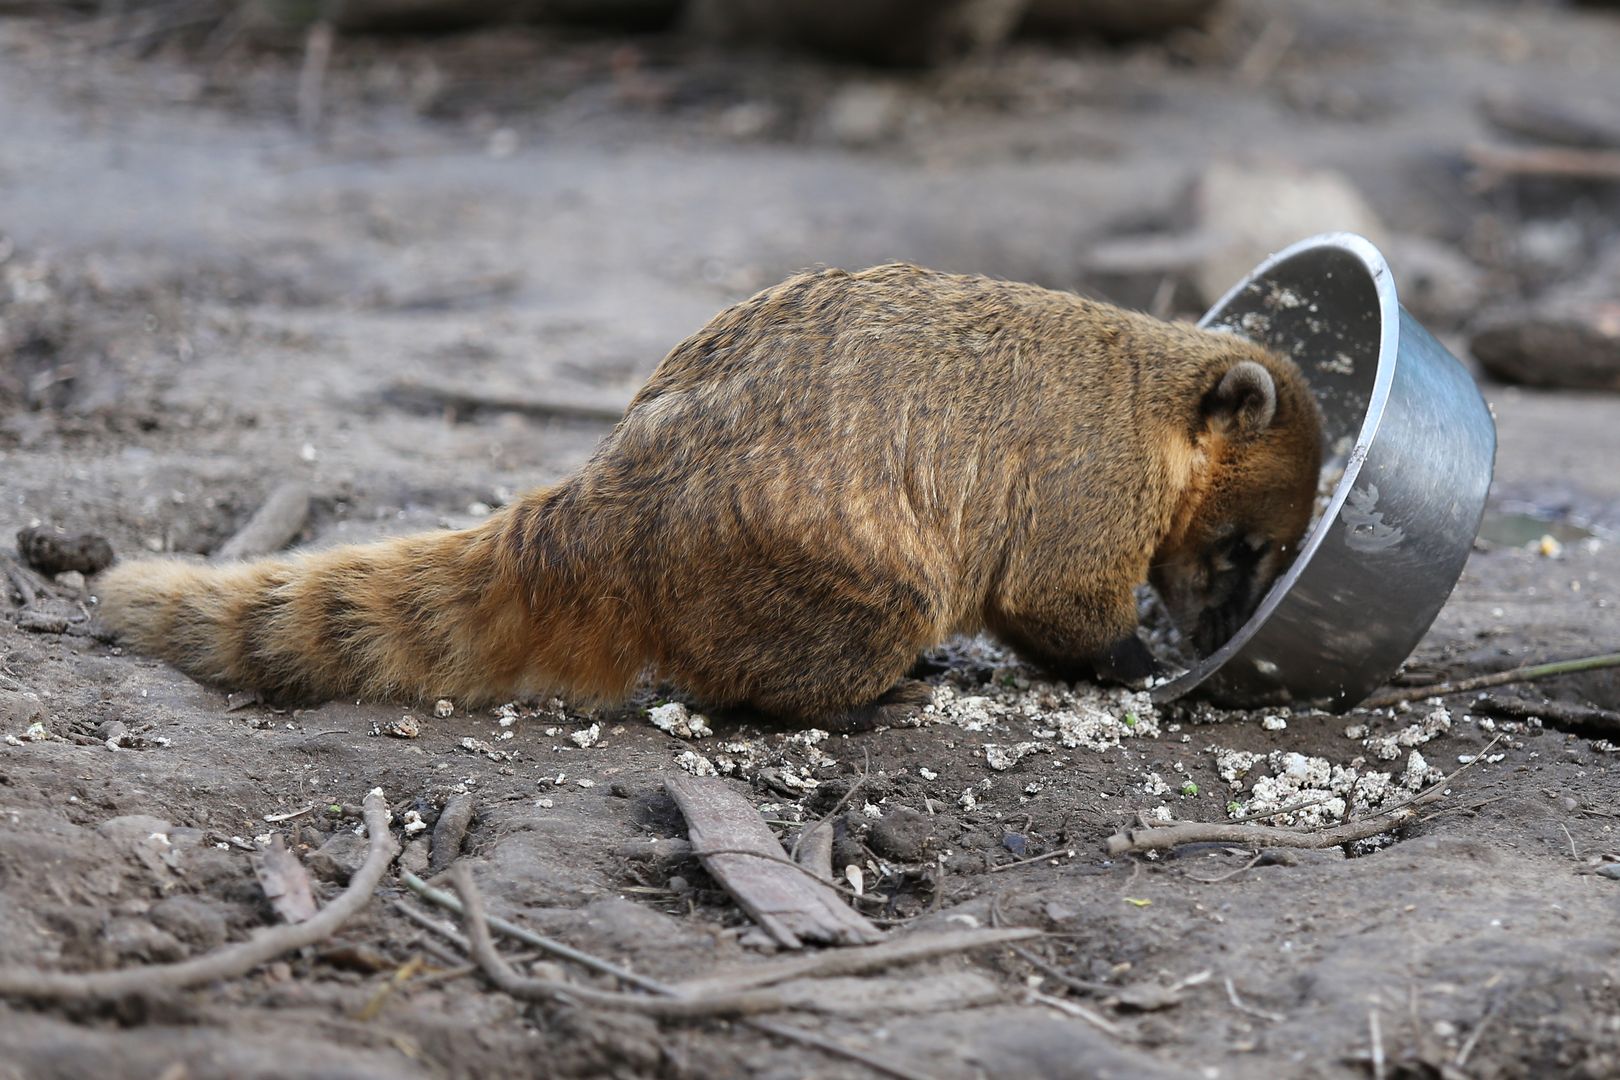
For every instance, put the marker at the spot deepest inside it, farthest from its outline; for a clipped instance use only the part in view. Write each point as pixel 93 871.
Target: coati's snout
pixel 1257 445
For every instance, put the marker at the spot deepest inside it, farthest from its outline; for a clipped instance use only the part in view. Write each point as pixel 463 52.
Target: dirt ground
pixel 207 300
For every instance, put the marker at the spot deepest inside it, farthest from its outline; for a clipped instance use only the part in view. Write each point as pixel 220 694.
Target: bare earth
pixel 207 301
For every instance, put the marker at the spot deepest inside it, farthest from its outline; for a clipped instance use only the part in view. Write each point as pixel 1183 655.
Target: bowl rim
pixel 1389 314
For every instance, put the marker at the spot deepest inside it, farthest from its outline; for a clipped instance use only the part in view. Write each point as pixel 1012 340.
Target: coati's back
pixel 828 478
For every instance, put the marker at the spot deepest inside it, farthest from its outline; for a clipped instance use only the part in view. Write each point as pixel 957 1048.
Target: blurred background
pixel 303 235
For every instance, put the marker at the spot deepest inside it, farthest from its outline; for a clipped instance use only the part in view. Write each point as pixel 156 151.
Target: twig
pixel 1230 874
pixel 1574 854
pixel 428 922
pixel 1078 1011
pixel 529 937
pixel 780 1030
pixel 1193 832
pixel 739 1003
pixel 1473 1036
pixel 858 960
pixel 233 960
pixel 1266 53
pixel 866 770
pixel 1241 1006
pixel 831 1046
pixel 312 76
pixel 1066 853
pixel 1528 673
pixel 1563 715
pixel 1567 162
pixel 273 818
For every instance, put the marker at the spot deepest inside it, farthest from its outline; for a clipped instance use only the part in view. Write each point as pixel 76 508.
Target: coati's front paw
pixel 898 706
pixel 1127 661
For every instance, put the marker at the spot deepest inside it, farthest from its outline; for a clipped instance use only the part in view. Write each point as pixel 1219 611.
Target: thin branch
pixel 1193 832
pixel 744 1003
pixel 1567 162
pixel 1527 673
pixel 233 960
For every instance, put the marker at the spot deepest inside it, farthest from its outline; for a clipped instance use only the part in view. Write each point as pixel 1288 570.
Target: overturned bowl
pixel 1416 443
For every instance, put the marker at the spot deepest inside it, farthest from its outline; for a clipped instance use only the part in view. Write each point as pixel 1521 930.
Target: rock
pixel 134 829
pixel 1114 18
pixel 906 32
pixel 133 939
pixel 51 551
pixel 1610 870
pixel 415 857
pixel 195 922
pixel 1570 344
pixel 338 859
pixel 1250 212
pixel 904 835
pixel 19 709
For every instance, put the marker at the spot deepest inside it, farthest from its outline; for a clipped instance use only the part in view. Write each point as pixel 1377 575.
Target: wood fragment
pixel 813 849
pixel 232 960
pixel 739 850
pixel 285 882
pixel 272 527
pixel 450 831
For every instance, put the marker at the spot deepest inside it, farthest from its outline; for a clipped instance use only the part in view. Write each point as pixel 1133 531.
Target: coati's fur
pixel 827 479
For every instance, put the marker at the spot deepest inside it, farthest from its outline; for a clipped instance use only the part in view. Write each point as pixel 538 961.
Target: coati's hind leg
pixel 893 707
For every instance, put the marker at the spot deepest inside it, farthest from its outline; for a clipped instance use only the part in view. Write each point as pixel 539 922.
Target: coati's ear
pixel 1243 403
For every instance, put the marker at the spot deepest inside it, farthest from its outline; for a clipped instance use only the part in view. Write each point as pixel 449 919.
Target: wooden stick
pixel 233 960
pixel 1567 162
pixel 1193 832
pixel 1527 673
pixel 272 527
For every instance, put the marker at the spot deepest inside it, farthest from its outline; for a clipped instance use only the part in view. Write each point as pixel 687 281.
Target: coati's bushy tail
pixel 445 614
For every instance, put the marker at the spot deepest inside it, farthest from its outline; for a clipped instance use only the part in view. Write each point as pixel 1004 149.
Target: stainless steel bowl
pixel 1417 445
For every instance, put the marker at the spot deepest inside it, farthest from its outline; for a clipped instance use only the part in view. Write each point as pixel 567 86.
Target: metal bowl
pixel 1417 445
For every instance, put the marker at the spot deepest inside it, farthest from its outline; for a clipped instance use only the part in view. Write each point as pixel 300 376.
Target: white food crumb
pixel 696 764
pixel 676 719
pixel 587 738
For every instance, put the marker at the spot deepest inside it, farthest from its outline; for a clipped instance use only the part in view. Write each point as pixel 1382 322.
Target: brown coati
pixel 827 479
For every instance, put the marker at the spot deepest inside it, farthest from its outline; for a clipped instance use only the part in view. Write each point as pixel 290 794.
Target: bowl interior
pixel 1329 303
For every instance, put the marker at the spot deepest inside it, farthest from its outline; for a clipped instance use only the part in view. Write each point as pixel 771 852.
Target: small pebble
pixel 1610 870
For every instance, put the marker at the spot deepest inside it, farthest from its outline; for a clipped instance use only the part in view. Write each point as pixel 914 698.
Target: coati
pixel 829 478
